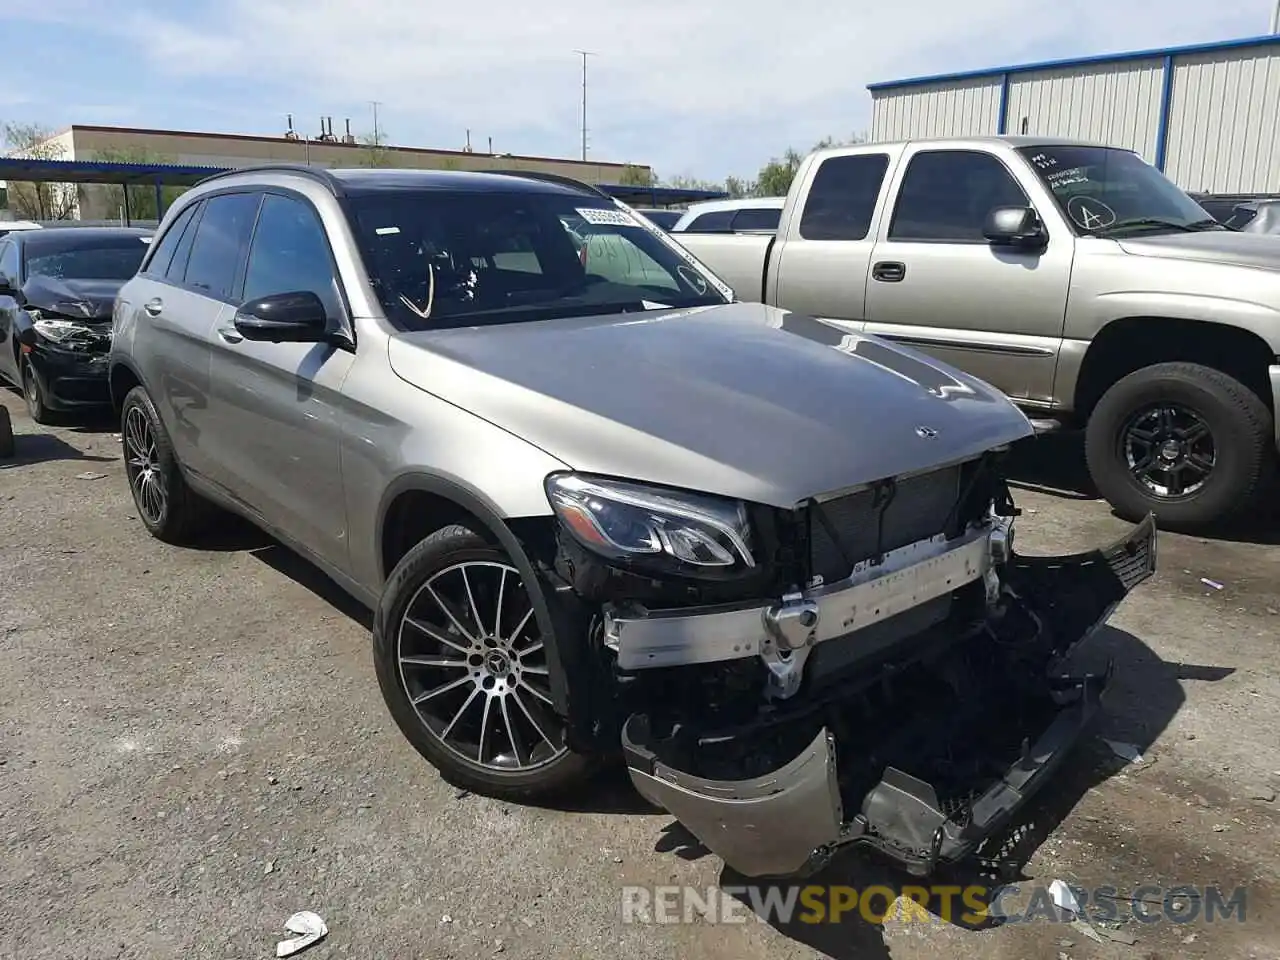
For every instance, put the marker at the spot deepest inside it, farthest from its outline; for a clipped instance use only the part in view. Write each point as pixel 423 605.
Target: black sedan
pixel 57 291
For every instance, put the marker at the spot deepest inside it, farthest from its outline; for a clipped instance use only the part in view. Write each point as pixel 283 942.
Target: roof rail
pixel 318 174
pixel 552 178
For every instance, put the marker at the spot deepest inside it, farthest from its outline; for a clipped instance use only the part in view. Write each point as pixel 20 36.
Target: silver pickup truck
pixel 1076 278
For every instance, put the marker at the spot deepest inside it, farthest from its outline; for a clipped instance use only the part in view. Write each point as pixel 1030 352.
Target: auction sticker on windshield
pixel 602 217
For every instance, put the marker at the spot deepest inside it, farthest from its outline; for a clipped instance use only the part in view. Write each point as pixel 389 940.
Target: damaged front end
pixel 887 671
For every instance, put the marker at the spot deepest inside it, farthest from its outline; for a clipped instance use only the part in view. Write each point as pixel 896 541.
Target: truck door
pixel 937 284
pixel 824 257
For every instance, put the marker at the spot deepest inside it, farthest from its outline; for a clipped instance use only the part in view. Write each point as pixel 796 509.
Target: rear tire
pixel 169 509
pixel 1186 442
pixel 467 685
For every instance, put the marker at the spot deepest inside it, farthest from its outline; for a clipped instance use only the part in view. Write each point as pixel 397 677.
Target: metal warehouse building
pixel 1207 115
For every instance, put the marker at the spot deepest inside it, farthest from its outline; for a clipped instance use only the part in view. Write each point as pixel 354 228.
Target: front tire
pixel 33 393
pixel 462 665
pixel 169 509
pixel 1186 442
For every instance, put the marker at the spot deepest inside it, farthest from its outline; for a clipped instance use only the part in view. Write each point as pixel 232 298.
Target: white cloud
pixel 706 86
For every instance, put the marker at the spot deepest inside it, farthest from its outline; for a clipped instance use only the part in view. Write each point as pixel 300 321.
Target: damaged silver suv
pixel 601 507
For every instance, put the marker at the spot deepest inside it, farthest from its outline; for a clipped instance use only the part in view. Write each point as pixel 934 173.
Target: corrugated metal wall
pixel 963 108
pixel 1223 131
pixel 1116 104
pixel 1225 122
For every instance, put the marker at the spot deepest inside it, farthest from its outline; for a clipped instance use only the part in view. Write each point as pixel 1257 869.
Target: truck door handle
pixel 889 271
pixel 154 306
pixel 230 334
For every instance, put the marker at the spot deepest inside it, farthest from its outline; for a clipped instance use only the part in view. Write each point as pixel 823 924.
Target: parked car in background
pixel 13 226
pixel 57 288
pixel 1076 278
pixel 665 219
pixel 1256 216
pixel 749 215
pixel 770 560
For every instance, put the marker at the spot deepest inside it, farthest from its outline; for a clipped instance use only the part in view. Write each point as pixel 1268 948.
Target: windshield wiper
pixel 1140 222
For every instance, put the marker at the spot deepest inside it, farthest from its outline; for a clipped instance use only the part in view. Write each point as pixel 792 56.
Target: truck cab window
pixel 947 194
pixel 843 197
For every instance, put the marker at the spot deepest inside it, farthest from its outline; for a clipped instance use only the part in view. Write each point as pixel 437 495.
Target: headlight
pixel 628 521
pixel 58 330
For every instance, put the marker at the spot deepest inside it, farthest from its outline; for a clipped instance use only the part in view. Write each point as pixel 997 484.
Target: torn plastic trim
pixel 765 826
pixel 791 821
pixel 784 630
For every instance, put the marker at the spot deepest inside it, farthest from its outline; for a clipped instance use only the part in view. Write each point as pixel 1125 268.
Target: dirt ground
pixel 193 747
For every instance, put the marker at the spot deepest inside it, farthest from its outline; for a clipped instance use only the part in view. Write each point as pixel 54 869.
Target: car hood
pixel 59 295
pixel 743 400
pixel 1213 246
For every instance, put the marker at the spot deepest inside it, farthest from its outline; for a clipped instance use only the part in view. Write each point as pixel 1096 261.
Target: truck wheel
pixel 1184 441
pixel 460 659
pixel 169 509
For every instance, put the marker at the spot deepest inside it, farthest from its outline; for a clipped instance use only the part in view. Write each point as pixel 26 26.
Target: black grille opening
pixel 850 529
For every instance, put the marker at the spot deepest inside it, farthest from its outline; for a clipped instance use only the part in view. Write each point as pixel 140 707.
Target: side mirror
pixel 7 288
pixel 1014 227
pixel 297 317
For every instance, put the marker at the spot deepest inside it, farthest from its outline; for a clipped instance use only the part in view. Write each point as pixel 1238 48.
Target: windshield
pixel 455 259
pixel 87 258
pixel 1110 192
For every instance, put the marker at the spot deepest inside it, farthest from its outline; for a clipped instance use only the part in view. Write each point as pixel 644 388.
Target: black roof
pixel 363 181
pixel 72 237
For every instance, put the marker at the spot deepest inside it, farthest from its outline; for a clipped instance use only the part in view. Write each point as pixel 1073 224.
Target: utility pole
pixel 1275 19
pixel 377 138
pixel 584 54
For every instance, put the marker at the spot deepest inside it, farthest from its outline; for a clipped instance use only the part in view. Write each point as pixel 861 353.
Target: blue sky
pixel 694 87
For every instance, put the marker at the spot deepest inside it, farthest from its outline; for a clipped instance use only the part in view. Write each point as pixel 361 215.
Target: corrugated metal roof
pixel 21 169
pixel 1269 40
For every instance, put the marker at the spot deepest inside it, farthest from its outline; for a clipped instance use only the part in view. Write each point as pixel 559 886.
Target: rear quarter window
pixel 842 200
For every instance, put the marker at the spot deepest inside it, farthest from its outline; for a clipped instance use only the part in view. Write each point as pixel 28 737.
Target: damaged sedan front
pixel 57 292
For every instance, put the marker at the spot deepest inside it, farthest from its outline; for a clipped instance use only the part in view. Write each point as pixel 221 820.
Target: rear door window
pixel 162 256
pixel 757 218
pixel 843 197
pixel 221 243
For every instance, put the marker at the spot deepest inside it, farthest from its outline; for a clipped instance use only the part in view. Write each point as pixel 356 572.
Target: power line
pixel 584 54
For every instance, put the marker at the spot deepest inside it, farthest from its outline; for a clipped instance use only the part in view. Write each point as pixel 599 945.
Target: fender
pixel 480 508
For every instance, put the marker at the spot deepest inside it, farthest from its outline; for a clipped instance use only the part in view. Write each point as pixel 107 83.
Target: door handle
pixel 230 334
pixel 154 306
pixel 889 271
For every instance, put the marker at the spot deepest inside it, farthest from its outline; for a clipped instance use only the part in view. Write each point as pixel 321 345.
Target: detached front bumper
pixel 873 781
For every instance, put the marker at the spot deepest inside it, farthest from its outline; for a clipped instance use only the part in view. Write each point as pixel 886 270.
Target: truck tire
pixel 465 675
pixel 1186 442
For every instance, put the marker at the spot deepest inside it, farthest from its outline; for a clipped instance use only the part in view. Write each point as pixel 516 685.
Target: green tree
pixel 776 176
pixel 374 152
pixel 636 176
pixel 37 201
pixel 142 196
